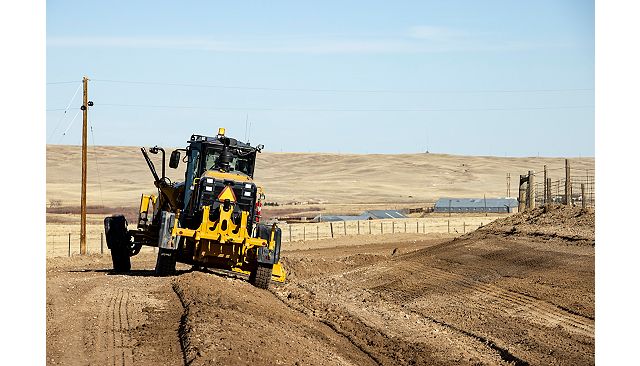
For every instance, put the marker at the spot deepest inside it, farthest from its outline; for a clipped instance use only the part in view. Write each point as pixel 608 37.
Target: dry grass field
pixel 341 182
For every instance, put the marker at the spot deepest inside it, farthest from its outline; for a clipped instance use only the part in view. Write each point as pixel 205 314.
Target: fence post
pixel 381 231
pixel 344 226
pixel 405 227
pixel 485 204
pixel 331 225
pixel 393 227
pixel 522 194
pixel 548 192
pixel 424 231
pixel 289 233
pixel 567 183
pixel 531 192
pixel 544 187
pixel 369 227
pixel 584 201
pixel 69 245
pixel 318 232
pixel 358 227
pixel 101 244
pixel 448 228
pixel 417 227
pixel 304 233
pixel 464 227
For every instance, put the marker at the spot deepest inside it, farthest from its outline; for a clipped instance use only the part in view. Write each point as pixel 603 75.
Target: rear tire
pixel 166 263
pixel 121 260
pixel 261 275
pixel 118 241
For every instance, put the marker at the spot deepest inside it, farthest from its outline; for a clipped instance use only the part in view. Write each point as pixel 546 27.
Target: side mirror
pixel 174 160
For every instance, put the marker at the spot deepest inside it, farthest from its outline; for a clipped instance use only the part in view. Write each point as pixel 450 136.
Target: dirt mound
pixel 229 322
pixel 572 225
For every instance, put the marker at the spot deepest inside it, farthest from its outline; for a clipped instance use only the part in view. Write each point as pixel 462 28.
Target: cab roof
pixel 216 141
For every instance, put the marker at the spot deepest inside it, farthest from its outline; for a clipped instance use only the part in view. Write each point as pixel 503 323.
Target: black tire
pixel 118 241
pixel 121 260
pixel 261 276
pixel 166 263
pixel 264 232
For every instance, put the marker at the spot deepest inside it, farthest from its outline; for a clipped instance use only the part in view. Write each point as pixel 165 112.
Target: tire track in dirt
pixel 389 333
pixel 513 303
pixel 114 319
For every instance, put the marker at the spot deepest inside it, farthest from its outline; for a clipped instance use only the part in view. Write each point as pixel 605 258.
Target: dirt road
pixel 495 297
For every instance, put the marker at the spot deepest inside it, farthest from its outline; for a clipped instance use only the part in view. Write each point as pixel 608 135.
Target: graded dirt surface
pixel 485 298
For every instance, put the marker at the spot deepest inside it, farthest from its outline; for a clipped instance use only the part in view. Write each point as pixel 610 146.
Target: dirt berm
pixel 571 225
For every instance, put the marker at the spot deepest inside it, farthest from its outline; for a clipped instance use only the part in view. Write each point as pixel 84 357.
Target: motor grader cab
pixel 212 219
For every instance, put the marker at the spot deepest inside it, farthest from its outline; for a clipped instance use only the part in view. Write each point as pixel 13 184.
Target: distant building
pixel 327 218
pixel 367 215
pixel 384 214
pixel 504 205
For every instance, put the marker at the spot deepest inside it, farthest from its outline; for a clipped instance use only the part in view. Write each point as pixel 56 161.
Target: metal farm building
pixel 504 205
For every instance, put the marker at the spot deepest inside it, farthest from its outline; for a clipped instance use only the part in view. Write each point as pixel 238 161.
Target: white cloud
pixel 419 39
pixel 435 33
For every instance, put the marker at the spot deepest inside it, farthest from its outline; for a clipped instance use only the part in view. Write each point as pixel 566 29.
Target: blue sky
pixel 462 77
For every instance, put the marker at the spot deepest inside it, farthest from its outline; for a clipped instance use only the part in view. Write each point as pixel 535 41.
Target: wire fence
pixel 328 230
pixel 68 244
pixel 556 190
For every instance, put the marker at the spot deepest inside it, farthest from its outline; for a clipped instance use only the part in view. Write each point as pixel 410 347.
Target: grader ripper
pixel 210 220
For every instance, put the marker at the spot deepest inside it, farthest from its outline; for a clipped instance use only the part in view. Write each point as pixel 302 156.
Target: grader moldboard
pixel 212 219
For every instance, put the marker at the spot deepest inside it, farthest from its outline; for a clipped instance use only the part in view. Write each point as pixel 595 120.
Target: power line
pixel 68 127
pixel 64 115
pixel 62 82
pixel 341 110
pixel 156 83
pixel 95 156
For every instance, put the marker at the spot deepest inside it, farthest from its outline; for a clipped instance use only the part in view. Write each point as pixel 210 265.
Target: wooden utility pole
pixel 83 197
pixel 567 183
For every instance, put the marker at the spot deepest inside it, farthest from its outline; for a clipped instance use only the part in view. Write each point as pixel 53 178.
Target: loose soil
pixel 491 297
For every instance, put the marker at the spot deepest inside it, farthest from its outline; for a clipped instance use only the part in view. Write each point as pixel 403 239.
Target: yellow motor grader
pixel 212 219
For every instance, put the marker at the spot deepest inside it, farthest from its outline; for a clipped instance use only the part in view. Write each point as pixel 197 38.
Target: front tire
pixel 166 262
pixel 118 241
pixel 261 275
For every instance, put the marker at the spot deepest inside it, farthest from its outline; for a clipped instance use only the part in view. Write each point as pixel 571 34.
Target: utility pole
pixel 508 184
pixel 83 198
